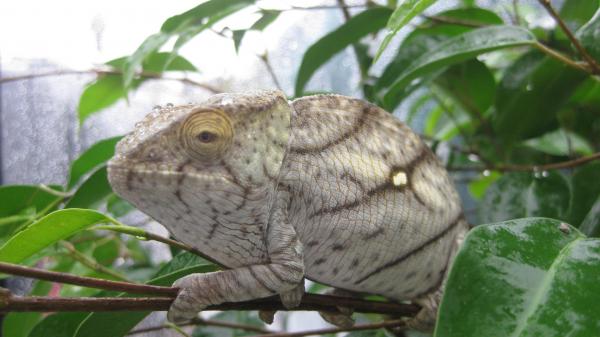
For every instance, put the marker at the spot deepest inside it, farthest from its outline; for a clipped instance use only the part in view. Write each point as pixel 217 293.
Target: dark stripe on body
pixel 360 122
pixel 414 251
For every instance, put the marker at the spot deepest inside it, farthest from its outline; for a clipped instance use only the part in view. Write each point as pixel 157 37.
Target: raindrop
pixel 473 157
pixel 529 87
pixel 169 106
pixel 138 125
pixel 157 108
pixel 486 173
pixel 545 174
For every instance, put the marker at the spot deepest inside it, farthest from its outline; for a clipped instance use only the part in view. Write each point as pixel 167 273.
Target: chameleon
pixel 327 187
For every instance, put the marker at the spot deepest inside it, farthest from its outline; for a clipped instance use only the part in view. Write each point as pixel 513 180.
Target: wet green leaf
pixel 368 21
pixel 560 143
pixel 526 277
pixel 159 62
pixel 532 91
pixel 96 155
pixel 48 230
pixel 407 10
pixel 526 194
pixel 458 49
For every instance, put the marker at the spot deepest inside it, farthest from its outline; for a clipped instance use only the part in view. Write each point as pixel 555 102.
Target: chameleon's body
pixel 325 187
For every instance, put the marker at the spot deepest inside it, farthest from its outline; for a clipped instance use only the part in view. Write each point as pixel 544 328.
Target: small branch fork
pixel 595 68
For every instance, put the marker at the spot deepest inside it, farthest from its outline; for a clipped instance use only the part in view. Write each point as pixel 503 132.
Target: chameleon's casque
pixel 325 187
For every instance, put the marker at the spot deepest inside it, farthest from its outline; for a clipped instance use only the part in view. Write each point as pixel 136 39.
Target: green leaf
pixel 92 192
pixel 589 35
pixel 159 62
pixel 118 324
pixel 48 230
pixel 366 22
pixel 532 91
pixel 525 194
pixel 96 155
pixel 590 225
pixel 560 143
pixel 575 13
pixel 407 10
pixel 586 189
pixel 471 84
pixel 134 62
pixel 267 18
pixel 19 324
pixel 238 36
pixel 102 93
pixel 107 252
pixel 458 49
pixel 195 15
pixel 526 277
pixel 63 324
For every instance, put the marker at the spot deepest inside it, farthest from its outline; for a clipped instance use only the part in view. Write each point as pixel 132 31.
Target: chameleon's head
pixel 207 159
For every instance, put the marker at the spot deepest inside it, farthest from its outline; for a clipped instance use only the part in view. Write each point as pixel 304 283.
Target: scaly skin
pixel 329 188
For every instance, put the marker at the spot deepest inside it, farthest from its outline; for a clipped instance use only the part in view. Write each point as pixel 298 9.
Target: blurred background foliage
pixel 511 106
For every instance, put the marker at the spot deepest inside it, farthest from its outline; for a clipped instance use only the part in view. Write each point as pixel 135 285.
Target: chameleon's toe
pixel 267 316
pixel 339 319
pixel 187 304
pixel 293 297
pixel 425 319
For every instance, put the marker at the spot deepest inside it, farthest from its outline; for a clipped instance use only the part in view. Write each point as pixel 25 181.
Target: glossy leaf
pixel 586 189
pixel 525 194
pixel 92 192
pixel 426 38
pixel 575 13
pixel 560 143
pixel 366 22
pixel 195 15
pixel 96 155
pixel 458 49
pixel 525 277
pixel 532 91
pixel 118 324
pixel 407 10
pixel 589 35
pixel 267 18
pixel 48 230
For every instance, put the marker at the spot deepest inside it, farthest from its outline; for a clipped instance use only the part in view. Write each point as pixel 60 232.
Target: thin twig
pixel 91 263
pixel 299 8
pixel 562 58
pixel 155 237
pixel 206 322
pixel 516 167
pixel 310 302
pixel 91 282
pixel 370 326
pixel 586 56
pixel 99 72
pixel 265 59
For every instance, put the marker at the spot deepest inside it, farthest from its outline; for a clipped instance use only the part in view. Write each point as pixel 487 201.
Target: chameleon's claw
pixel 425 319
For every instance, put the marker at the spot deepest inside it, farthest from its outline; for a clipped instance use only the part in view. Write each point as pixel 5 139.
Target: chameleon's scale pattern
pixel 327 187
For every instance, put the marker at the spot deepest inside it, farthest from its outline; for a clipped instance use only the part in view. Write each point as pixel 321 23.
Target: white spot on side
pixel 399 179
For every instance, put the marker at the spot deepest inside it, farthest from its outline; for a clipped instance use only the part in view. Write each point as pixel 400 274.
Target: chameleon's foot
pixel 343 317
pixel 292 298
pixel 425 319
pixel 267 316
pixel 186 305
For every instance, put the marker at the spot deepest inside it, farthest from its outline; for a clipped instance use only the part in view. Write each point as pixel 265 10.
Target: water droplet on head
pixel 169 106
pixel 157 108
pixel 138 125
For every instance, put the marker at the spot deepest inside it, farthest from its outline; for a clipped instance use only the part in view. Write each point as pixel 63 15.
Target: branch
pixel 516 167
pixel 370 326
pixel 562 58
pixel 91 282
pixel 99 72
pixel 310 302
pixel 206 322
pixel 586 56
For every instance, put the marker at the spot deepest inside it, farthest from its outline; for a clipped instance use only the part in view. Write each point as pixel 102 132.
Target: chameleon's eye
pixel 206 134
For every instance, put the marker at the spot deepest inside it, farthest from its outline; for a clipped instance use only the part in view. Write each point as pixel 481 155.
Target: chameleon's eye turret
pixel 206 134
